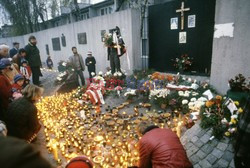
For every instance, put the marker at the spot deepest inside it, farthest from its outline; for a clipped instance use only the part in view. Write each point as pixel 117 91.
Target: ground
pixel 201 151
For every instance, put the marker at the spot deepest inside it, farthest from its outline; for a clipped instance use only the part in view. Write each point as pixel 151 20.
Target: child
pixel 17 86
pixel 24 69
pixel 49 62
pixel 90 63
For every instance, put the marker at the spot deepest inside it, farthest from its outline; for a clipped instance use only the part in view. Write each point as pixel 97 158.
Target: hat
pixel 15 43
pixel 18 77
pixel 6 61
pixel 79 162
pixel 24 61
pixel 2 65
pixel 89 53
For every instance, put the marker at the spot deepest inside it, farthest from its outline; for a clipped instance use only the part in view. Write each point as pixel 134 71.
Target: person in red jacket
pixel 5 90
pixel 160 148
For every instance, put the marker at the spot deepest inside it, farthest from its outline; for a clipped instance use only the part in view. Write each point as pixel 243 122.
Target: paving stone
pixel 228 156
pixel 205 138
pixel 192 150
pixel 194 139
pixel 222 163
pixel 205 164
pixel 201 133
pixel 232 164
pixel 188 145
pixel 201 154
pixel 194 159
pixel 230 148
pixel 207 148
pixel 214 142
pixel 198 143
pixel 222 146
pixel 197 166
pixel 217 153
pixel 211 158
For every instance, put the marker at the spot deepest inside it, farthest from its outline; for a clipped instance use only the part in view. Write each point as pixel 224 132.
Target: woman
pixel 21 117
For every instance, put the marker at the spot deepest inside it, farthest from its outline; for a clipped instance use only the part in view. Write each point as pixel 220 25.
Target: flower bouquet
pixel 130 94
pixel 108 40
pixel 183 63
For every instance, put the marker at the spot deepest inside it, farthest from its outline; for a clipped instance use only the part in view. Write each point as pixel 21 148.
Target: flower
pixel 233 121
pixel 193 99
pixel 118 88
pixel 224 121
pixel 209 104
pixel 64 64
pixel 181 93
pixel 227 134
pixel 184 102
pixel 240 110
pixel 218 97
pixel 194 86
pixel 92 73
pixel 100 73
pixel 232 130
pixel 59 78
pixel 236 103
pixel 189 80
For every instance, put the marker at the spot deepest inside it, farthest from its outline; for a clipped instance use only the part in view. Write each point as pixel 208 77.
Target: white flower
pixel 224 121
pixel 130 92
pixel 92 73
pixel 119 73
pixel 193 99
pixel 181 93
pixel 195 81
pixel 232 130
pixel 191 104
pixel 194 86
pixel 72 69
pixel 189 80
pixel 235 116
pixel 195 94
pixel 115 74
pixel 100 73
pixel 184 102
pixel 64 64
pixel 58 78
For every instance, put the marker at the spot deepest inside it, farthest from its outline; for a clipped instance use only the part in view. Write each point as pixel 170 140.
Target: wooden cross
pixel 182 10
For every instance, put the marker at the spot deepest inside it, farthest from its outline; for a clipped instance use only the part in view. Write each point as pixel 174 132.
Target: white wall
pixel 231 55
pixel 127 20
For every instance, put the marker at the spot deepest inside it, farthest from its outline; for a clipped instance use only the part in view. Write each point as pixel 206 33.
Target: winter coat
pixel 21 119
pixel 5 94
pixel 161 148
pixel 72 60
pixel 17 153
pixel 90 63
pixel 33 55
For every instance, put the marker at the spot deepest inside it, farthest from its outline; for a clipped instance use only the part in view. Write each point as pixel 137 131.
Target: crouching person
pixel 160 148
pixel 21 116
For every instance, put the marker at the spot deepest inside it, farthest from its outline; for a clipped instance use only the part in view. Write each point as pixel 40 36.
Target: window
pixel 84 16
pixel 106 10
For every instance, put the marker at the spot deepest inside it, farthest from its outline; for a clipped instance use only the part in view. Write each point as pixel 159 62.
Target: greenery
pixel 239 84
pixel 183 63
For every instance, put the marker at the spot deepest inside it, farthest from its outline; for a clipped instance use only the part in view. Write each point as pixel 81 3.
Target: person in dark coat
pixel 34 59
pixel 160 148
pixel 242 146
pixel 21 119
pixel 14 50
pixel 90 63
pixel 18 58
pixel 77 62
pixel 49 62
pixel 16 153
pixel 5 90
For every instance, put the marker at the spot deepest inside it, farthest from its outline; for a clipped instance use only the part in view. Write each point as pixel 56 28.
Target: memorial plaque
pixel 82 38
pixel 56 44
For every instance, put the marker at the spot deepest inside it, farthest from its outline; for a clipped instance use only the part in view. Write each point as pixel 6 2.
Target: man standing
pixel 77 62
pixel 160 148
pixel 34 59
pixel 14 50
pixel 90 63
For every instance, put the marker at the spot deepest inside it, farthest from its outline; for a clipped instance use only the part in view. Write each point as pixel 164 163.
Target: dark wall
pixel 164 42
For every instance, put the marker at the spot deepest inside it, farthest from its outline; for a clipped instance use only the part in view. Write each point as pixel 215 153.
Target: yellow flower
pixel 209 103
pixel 236 103
pixel 233 121
pixel 218 97
pixel 240 110
pixel 227 133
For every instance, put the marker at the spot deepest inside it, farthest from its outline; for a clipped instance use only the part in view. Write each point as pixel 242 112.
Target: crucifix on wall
pixel 182 10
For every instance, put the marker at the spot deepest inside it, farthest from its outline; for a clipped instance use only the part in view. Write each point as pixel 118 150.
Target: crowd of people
pixel 19 124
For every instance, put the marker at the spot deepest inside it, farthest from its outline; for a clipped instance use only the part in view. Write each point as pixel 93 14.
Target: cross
pixel 182 10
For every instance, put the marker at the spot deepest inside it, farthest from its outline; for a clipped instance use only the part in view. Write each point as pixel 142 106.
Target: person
pixel 10 72
pixel 77 62
pixel 5 90
pixel 242 146
pixel 116 50
pixel 4 50
pixel 90 63
pixel 14 50
pixel 17 86
pixel 49 62
pixel 80 162
pixel 34 59
pixel 3 129
pixel 21 116
pixel 25 71
pixel 18 58
pixel 160 148
pixel 17 153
